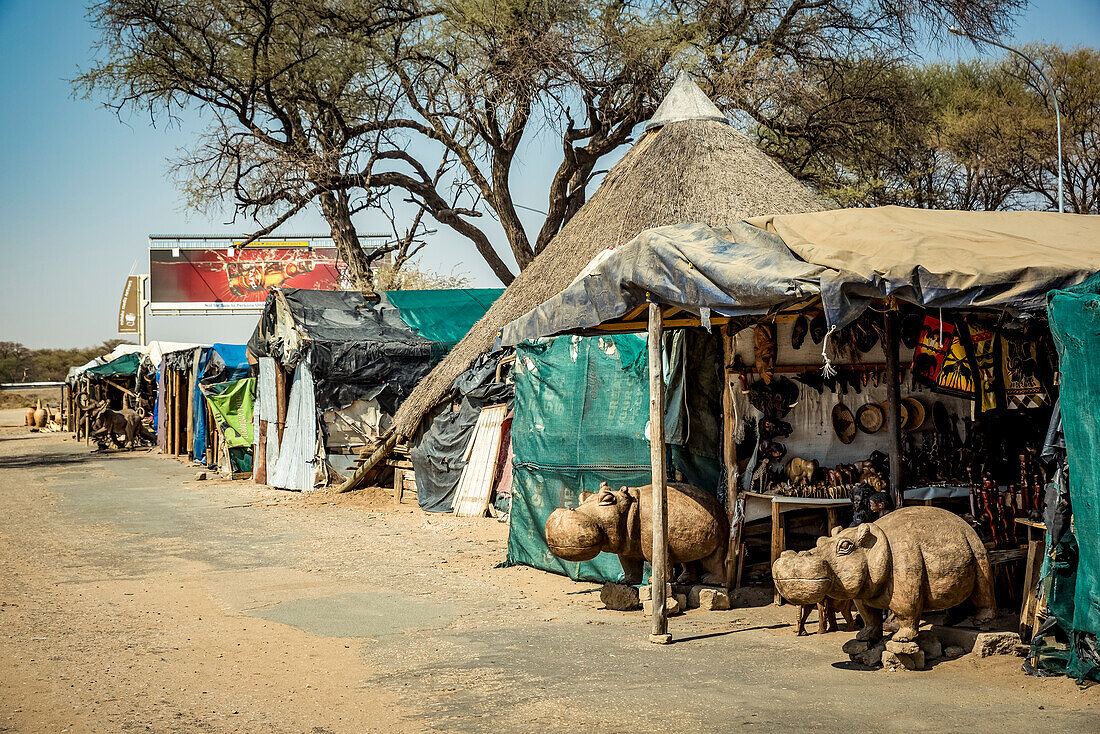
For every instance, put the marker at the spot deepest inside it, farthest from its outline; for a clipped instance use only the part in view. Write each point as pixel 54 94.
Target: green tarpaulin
pixel 125 366
pixel 1075 565
pixel 443 315
pixel 231 403
pixel 580 415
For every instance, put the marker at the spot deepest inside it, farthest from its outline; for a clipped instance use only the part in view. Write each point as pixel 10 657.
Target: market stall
pixel 894 351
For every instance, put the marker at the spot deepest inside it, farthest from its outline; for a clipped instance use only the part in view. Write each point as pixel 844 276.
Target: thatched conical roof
pixel 686 170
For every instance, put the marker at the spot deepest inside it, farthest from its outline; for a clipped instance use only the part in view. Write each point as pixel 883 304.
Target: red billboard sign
pixel 236 275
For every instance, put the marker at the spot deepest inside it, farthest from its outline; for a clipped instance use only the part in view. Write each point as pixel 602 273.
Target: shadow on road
pixel 707 636
pixel 52 458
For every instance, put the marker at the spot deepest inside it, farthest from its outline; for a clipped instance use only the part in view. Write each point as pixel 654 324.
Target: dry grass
pixel 689 171
pixel 25 398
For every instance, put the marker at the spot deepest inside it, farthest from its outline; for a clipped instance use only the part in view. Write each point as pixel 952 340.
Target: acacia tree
pixel 1075 75
pixel 477 77
pixel 356 102
pixel 286 97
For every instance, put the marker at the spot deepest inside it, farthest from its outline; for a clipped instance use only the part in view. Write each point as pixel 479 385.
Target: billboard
pixel 128 308
pixel 237 277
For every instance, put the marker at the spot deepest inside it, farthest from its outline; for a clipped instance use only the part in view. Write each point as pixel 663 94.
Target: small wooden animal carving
pixel 826 615
pixel 801 471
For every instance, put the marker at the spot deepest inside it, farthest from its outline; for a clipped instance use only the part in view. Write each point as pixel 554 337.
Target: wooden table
pixel 1036 551
pixel 778 506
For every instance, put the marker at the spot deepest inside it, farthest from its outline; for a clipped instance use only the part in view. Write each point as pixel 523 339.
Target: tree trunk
pixel 334 206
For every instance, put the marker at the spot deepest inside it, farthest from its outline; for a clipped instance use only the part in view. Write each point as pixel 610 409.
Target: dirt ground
pixel 133 598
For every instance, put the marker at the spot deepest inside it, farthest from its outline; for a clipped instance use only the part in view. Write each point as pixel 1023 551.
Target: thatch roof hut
pixel 689 166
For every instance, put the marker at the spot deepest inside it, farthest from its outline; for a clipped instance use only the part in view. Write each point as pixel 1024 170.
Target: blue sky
pixel 80 190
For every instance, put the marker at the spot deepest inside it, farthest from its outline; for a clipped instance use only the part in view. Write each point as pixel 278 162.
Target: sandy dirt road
pixel 133 598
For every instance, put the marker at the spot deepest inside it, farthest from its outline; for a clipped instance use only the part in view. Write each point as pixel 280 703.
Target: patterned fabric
pixel 1020 373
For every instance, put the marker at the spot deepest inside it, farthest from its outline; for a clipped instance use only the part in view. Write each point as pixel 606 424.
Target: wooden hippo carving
pixel 910 561
pixel 621 522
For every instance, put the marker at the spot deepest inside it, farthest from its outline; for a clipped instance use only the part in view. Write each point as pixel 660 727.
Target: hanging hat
pixel 871 418
pixel 911 325
pixel 864 335
pixel 818 327
pixel 844 425
pixel 798 334
pixel 915 414
pixel 903 412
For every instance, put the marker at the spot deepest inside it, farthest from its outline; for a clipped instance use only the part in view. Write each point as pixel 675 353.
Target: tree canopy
pixel 357 104
pixel 973 135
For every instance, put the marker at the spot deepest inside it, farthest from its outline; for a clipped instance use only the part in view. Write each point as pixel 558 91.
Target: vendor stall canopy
pixel 848 258
pixel 349 339
pixel 125 366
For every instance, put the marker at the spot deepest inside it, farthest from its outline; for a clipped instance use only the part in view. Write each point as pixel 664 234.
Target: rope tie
pixel 827 370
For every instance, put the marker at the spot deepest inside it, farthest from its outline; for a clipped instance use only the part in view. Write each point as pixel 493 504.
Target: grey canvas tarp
pixel 1006 260
pixel 936 258
pixel 735 272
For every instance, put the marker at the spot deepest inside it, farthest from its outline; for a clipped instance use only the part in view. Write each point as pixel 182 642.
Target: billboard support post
pixel 143 301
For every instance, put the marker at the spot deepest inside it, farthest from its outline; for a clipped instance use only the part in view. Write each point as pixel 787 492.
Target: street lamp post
pixel 1053 94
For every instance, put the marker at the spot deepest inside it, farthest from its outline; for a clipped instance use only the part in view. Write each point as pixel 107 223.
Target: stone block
pixel 645 592
pixel 200 476
pixel 856 647
pixel 902 648
pixel 930 645
pixel 957 636
pixel 865 653
pixel 996 643
pixel 672 606
pixel 953 651
pixel 681 603
pixel 619 597
pixel 896 661
pixel 711 600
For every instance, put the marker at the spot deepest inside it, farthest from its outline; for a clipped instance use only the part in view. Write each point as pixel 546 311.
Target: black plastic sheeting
pixel 438 446
pixel 180 360
pixel 357 349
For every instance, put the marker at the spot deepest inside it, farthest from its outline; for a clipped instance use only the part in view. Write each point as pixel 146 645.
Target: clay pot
pixel 40 416
pixel 30 417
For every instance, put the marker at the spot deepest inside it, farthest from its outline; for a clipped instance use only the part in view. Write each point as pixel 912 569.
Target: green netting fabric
pixel 580 415
pixel 232 403
pixel 1075 596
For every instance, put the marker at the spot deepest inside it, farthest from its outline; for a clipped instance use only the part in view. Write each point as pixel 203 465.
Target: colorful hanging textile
pixel 931 351
pixel 981 345
pixel 1020 373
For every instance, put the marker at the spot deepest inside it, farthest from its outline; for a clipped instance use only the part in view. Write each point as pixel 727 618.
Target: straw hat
pixel 903 413
pixel 844 425
pixel 915 414
pixel 871 418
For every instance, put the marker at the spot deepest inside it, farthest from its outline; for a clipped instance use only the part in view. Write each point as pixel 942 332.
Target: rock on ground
pixel 620 597
pixel 996 643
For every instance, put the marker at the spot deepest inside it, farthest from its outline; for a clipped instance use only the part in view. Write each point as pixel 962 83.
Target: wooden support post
pixel 779 541
pixel 280 400
pixel 729 457
pixel 259 455
pixel 398 484
pixel 658 576
pixel 175 412
pixel 893 402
